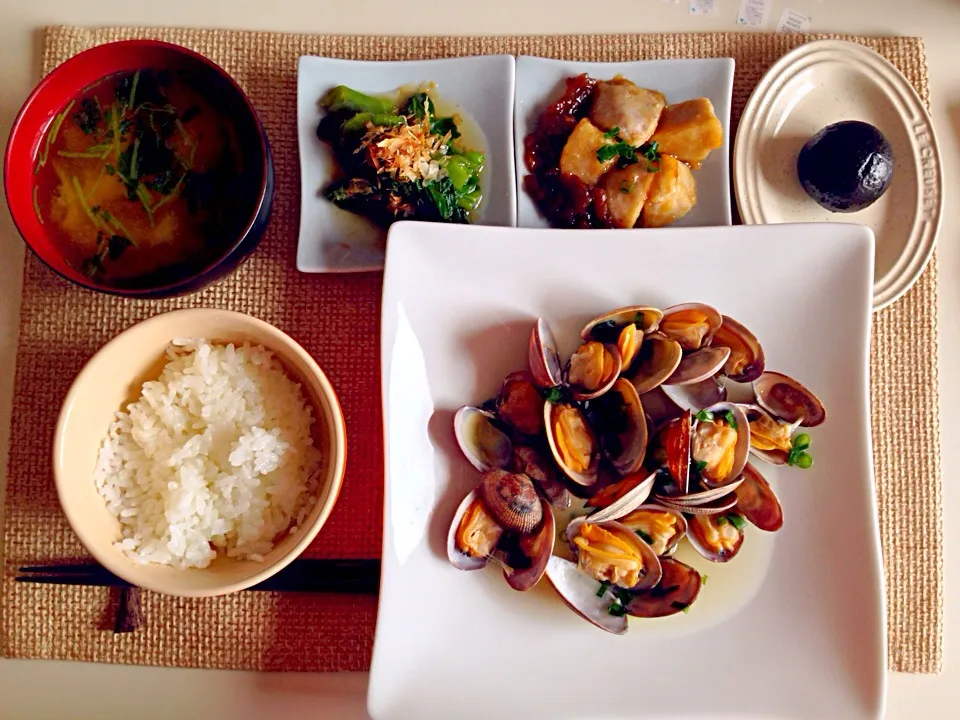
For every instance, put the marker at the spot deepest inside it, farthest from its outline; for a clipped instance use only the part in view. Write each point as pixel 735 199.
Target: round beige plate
pixel 821 83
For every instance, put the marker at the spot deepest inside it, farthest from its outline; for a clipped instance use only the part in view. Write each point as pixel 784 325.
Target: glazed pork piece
pixel 579 157
pixel 672 194
pixel 633 110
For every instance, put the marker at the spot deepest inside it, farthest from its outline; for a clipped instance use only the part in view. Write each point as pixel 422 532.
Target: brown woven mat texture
pixel 336 318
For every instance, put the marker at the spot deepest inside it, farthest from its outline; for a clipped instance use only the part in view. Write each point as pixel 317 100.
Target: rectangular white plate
pixel 481 87
pixel 793 627
pixel 541 81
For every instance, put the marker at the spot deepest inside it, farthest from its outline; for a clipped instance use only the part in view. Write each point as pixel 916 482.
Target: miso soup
pixel 141 173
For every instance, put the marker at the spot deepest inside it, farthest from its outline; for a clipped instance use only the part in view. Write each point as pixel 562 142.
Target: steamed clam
pixel 637 423
pixel 593 369
pixel 612 553
pixel 690 324
pixel 624 328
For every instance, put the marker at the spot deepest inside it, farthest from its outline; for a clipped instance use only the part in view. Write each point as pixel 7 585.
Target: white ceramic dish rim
pixel 921 244
pixel 869 498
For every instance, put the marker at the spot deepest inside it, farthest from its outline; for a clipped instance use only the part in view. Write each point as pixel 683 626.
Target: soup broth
pixel 139 174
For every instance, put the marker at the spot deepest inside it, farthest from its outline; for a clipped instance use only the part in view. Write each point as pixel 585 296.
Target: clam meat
pixel 611 553
pixel 520 404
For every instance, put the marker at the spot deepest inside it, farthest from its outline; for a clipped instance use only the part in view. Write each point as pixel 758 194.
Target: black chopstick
pixel 302 575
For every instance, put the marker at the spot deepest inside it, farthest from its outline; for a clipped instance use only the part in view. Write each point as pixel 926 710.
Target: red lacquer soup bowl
pixel 180 149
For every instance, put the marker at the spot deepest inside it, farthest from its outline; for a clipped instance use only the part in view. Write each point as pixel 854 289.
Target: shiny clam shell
pixel 785 398
pixel 624 327
pixel 484 445
pixel 459 559
pixel 543 356
pixel 741 450
pixel 552 413
pixel 699 365
pixel 621 504
pixel 719 505
pixel 746 361
pixel 657 359
pixel 696 533
pixel 696 396
pixel 633 519
pixel 651 563
pixel 757 501
pixel 538 548
pixel 580 392
pixel 678 589
pixel 774 456
pixel 512 500
pixel 626 449
pixel 540 469
pixel 690 324
pixel 579 592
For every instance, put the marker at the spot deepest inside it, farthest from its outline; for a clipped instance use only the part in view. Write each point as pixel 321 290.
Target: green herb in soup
pixel 138 173
pixel 399 160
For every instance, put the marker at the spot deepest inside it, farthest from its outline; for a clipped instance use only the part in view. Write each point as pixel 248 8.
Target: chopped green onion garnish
pixel 722 520
pixel 617 610
pixel 701 465
pixel 603 588
pixel 646 538
pixel 703 579
pixel 554 395
pixel 638 320
pixel 612 132
pixel 704 416
pixel 731 420
pixel 737 521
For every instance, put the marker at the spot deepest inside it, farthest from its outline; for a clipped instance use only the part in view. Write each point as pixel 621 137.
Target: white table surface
pixel 43 689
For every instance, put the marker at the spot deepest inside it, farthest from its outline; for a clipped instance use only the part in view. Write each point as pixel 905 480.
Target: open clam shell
pixel 458 556
pixel 592 370
pixel 580 593
pixel 699 365
pixel 696 396
pixel 512 501
pixel 785 398
pixel 539 468
pixel 720 465
pixel 674 438
pixel 659 409
pixel 715 537
pixel 677 590
pixel 621 498
pixel 543 356
pixel 690 324
pixel 622 426
pixel 572 442
pixel 700 497
pixel 520 404
pixel 481 441
pixel 648 522
pixel 757 501
pixel 746 361
pixel 720 505
pixel 656 360
pixel 537 549
pixel 651 571
pixel 625 328
pixel 770 437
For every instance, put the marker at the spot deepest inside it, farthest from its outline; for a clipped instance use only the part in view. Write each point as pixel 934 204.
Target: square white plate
pixel 541 81
pixel 481 87
pixel 794 627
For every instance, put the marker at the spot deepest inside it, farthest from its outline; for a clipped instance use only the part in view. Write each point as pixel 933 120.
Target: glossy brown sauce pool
pixel 563 199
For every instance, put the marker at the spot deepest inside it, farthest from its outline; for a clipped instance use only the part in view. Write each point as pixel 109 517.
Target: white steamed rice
pixel 215 457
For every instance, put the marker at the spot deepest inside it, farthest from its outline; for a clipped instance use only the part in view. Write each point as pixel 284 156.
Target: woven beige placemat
pixel 336 317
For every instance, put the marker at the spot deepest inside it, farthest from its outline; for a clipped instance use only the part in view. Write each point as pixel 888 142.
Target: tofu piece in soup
pixel 579 156
pixel 627 190
pixel 619 103
pixel 689 130
pixel 672 194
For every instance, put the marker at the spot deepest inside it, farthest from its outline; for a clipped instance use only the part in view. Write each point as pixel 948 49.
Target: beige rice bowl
pixel 215 457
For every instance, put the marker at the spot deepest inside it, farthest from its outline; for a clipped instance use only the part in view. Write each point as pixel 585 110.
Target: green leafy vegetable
pixel 418 105
pixel 444 125
pixel 342 98
pixel 117 245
